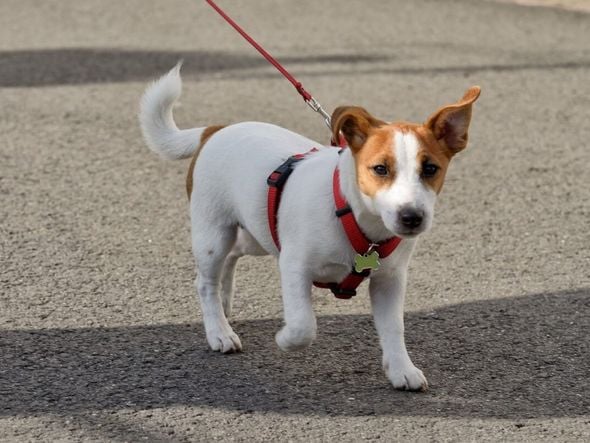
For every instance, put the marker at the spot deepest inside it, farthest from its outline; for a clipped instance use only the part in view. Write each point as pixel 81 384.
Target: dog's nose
pixel 411 217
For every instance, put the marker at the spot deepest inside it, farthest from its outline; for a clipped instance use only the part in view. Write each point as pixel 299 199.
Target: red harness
pixel 361 244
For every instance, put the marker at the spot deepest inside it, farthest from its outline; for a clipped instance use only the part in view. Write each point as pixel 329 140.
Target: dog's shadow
pixel 517 357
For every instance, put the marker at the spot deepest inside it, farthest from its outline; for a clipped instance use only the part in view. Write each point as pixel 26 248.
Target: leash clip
pixel 317 107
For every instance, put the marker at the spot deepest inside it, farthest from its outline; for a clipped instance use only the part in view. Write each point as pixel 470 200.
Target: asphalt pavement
pixel 100 332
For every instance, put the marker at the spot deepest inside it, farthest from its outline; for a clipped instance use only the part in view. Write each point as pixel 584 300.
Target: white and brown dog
pixel 390 176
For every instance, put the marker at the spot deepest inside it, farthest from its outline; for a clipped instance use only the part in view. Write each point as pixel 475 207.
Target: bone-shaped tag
pixel 366 261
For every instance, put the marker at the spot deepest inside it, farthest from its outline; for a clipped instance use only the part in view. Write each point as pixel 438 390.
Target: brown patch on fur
pixel 371 141
pixel 377 150
pixel 205 136
pixel 355 124
pixel 431 150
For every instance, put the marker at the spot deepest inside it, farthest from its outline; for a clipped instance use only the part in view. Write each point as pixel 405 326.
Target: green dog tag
pixel 366 261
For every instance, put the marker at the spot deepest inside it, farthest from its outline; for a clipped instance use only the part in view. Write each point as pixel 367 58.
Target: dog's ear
pixel 450 123
pixel 354 123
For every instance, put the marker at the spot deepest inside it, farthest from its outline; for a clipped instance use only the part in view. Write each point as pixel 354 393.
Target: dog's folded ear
pixel 450 123
pixel 354 123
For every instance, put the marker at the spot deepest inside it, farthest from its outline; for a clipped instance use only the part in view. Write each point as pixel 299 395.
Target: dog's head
pixel 401 167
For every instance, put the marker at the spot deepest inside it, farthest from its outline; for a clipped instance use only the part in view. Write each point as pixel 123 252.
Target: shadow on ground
pixel 519 357
pixel 75 66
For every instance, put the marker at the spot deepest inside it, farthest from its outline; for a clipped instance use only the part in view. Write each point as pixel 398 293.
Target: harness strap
pixel 346 288
pixel 276 181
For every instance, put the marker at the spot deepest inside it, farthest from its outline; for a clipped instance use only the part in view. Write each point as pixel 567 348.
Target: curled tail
pixel 157 124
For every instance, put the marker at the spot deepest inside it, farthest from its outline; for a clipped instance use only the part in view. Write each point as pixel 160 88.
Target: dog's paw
pixel 294 339
pixel 406 378
pixel 225 342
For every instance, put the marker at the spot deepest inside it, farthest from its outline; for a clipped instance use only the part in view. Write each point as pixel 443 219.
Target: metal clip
pixel 315 105
pixel 372 247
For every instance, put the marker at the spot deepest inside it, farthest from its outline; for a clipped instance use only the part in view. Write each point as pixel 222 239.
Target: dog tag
pixel 368 261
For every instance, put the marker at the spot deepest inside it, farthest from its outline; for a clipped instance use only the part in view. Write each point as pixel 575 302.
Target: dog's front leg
pixel 300 322
pixel 387 303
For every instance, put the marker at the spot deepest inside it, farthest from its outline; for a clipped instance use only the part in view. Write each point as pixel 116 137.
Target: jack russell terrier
pixel 388 178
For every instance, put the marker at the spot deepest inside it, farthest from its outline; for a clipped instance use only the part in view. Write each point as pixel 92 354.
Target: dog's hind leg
pixel 211 247
pixel 227 281
pixel 245 245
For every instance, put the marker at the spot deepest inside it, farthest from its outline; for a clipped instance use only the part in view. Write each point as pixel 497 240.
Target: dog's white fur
pixel 228 209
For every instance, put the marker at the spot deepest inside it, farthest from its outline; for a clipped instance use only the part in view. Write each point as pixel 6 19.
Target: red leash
pixel 312 102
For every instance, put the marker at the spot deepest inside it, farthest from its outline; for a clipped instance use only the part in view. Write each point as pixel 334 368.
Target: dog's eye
pixel 429 169
pixel 380 170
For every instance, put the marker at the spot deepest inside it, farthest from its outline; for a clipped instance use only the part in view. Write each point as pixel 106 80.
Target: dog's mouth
pixel 409 233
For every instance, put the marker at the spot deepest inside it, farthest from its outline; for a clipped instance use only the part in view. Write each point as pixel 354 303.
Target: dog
pixel 390 174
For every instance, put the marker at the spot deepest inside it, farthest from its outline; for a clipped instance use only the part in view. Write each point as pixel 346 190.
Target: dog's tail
pixel 157 124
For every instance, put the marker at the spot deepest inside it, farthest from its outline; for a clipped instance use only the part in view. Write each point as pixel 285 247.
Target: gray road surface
pixel 100 333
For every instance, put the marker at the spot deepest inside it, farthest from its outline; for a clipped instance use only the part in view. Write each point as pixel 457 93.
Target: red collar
pixel 361 244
